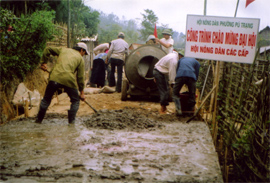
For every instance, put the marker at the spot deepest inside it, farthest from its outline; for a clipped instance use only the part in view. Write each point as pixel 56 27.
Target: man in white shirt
pixel 166 66
pixel 117 54
pixel 166 42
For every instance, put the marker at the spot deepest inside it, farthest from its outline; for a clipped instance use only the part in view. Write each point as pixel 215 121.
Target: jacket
pixel 69 62
pixel 188 67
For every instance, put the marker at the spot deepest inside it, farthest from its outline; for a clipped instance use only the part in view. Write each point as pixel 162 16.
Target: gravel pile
pixel 121 119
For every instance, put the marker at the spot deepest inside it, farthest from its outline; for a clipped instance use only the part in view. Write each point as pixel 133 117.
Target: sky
pixel 174 12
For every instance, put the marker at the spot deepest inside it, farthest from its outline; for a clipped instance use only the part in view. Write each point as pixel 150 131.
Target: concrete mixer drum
pixel 139 68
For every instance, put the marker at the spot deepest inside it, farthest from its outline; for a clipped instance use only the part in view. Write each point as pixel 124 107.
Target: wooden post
pixel 56 94
pixel 214 121
pixel 225 163
pixel 198 102
pixel 26 111
pixel 220 144
pixel 205 7
pixel 68 29
pixel 205 80
pixel 17 110
pixel 212 95
pixel 235 13
pixel 227 173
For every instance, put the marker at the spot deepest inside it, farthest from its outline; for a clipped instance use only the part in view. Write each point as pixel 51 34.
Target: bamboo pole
pixel 68 29
pixel 205 7
pixel 220 144
pixel 227 173
pixel 198 103
pixel 229 92
pixel 225 163
pixel 213 94
pixel 214 121
pixel 236 8
pixel 205 81
pixel 241 98
pixel 203 102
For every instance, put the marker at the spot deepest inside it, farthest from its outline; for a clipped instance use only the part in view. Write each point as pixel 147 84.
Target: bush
pixel 21 48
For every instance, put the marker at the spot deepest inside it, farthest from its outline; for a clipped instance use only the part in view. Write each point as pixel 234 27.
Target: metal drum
pixel 139 68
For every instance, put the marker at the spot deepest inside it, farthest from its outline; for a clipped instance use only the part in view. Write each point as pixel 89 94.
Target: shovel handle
pixel 90 106
pixel 203 102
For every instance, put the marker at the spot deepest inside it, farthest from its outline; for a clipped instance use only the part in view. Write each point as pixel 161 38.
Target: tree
pixel 131 32
pixel 110 25
pixel 23 7
pixel 91 21
pixel 109 34
pixel 61 10
pixel 84 21
pixel 148 24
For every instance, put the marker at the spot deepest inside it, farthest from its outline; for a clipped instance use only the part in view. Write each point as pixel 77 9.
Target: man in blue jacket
pixel 187 73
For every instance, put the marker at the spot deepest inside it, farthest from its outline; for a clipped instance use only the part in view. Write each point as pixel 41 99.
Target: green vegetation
pixel 148 23
pixel 264 37
pixel 33 25
pixel 21 48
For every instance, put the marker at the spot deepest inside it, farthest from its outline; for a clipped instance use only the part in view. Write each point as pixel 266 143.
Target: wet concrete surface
pixel 140 148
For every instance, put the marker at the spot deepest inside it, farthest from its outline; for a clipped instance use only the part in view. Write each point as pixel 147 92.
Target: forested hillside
pixel 25 23
pixel 136 30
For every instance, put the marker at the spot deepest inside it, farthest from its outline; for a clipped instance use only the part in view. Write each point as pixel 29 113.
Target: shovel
pixel 90 106
pixel 203 102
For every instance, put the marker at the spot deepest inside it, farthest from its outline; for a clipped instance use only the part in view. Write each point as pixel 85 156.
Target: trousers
pixel 163 87
pixel 52 87
pixel 119 64
pixel 191 83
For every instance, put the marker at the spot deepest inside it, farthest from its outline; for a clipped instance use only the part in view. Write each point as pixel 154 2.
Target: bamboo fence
pixel 238 117
pixel 60 36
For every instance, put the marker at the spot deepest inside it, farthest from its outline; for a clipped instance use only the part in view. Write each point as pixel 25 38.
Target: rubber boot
pixel 71 117
pixel 177 106
pixel 163 109
pixel 40 116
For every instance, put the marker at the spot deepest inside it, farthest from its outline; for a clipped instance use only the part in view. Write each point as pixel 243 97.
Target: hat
pixel 182 52
pixel 83 46
pixel 150 37
pixel 121 34
pixel 167 31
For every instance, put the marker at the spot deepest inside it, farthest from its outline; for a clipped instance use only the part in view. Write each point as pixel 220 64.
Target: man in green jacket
pixel 63 75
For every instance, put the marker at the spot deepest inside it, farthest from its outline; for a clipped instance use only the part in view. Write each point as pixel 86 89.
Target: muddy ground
pixel 124 142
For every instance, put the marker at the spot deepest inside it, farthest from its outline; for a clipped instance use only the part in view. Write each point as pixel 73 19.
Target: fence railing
pixel 242 118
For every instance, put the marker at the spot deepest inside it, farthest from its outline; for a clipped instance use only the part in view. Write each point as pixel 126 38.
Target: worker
pixel 102 48
pixel 63 75
pixel 117 54
pixel 151 40
pixel 98 71
pixel 166 42
pixel 187 73
pixel 107 67
pixel 164 70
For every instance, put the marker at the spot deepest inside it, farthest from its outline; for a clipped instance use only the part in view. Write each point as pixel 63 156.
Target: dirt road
pixel 124 142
